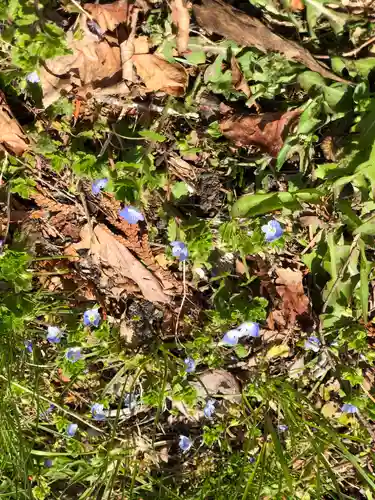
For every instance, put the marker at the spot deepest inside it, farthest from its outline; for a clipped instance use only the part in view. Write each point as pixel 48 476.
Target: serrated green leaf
pixel 241 351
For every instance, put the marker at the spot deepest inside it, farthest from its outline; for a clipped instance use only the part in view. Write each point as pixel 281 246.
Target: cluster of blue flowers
pixel 247 329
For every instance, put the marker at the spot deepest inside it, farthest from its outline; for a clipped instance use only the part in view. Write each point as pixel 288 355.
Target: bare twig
pixel 356 51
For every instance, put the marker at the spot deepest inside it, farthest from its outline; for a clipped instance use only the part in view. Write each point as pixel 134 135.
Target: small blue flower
pixel 91 317
pixel 190 365
pixel 28 345
pixel 252 460
pixel 130 400
pixel 179 250
pixel 54 334
pixel 44 415
pixel 349 408
pixel 98 185
pixel 97 411
pixel 272 230
pixel 312 344
pixel 231 337
pixel 71 429
pixel 33 77
pixel 282 427
pixel 48 462
pixel 248 329
pixel 131 215
pixel 209 409
pixel 73 354
pixel 185 443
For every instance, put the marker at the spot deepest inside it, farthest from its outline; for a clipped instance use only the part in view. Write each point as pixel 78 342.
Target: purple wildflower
pixel 131 215
pixel 98 185
pixel 179 250
pixel 272 230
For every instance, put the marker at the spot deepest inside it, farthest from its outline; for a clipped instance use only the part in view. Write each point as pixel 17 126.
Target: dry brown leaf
pixel 217 17
pixel 295 304
pixel 11 135
pixel 109 15
pixel 159 74
pixel 181 19
pixel 93 61
pixel 238 80
pixel 108 252
pixel 218 381
pixel 266 131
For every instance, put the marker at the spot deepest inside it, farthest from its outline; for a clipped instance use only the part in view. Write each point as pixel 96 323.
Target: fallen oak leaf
pixel 108 252
pixel 181 19
pixel 295 305
pixel 159 74
pixel 238 80
pixel 93 61
pixel 12 137
pixel 109 15
pixel 266 131
pixel 217 17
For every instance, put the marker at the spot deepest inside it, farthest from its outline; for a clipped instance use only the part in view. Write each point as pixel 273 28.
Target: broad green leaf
pixel 311 79
pixel 366 228
pixel 257 204
pixel 179 189
pixel 309 120
pixel 152 136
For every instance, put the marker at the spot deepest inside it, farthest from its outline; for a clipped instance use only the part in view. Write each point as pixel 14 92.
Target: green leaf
pixel 258 204
pixel 309 120
pixel 337 20
pixel 278 351
pixel 152 136
pixel 364 272
pixel 241 351
pixel 179 189
pixel 366 228
pixel 279 451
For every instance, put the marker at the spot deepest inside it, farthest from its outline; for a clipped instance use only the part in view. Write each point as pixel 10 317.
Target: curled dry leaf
pixel 93 61
pixel 217 17
pixel 159 74
pixel 266 131
pixel 11 136
pixel 218 381
pixel 238 80
pixel 294 305
pixel 181 19
pixel 109 15
pixel 118 263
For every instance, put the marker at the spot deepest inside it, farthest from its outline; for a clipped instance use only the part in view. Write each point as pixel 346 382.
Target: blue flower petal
pixel 272 230
pixel 97 412
pixel 54 334
pixel 98 185
pixel 179 250
pixel 248 329
pixel 185 443
pixel 33 77
pixel 73 354
pixel 71 429
pixel 190 365
pixel 91 317
pixel 231 337
pixel 131 215
pixel 349 408
pixel 209 409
